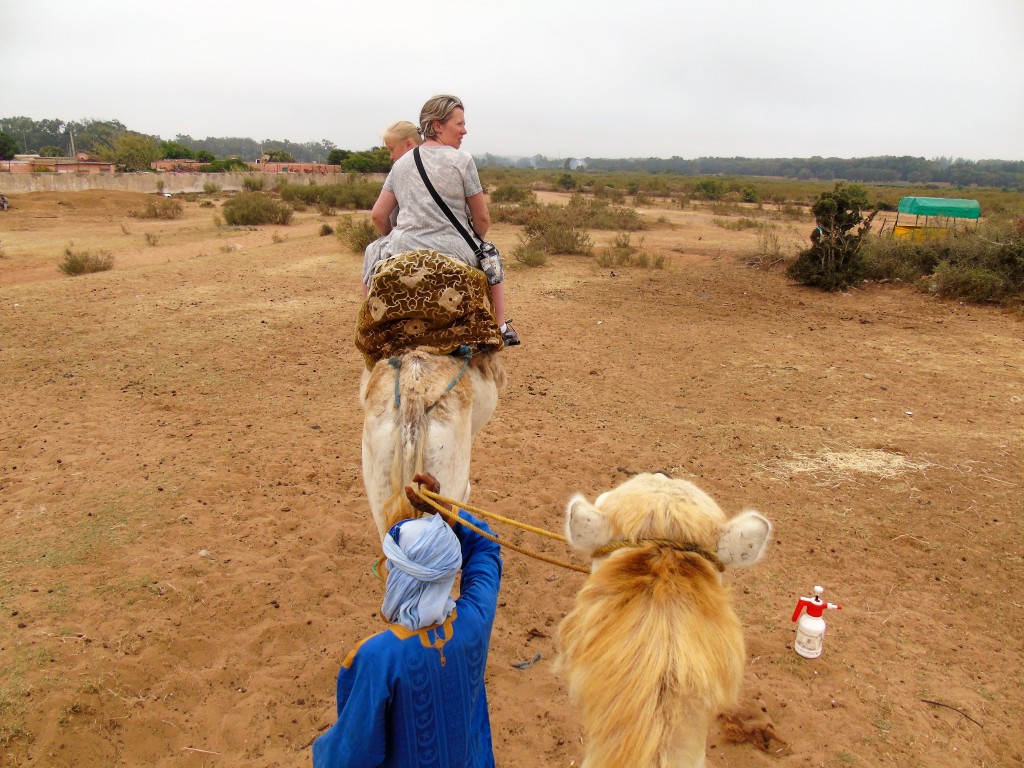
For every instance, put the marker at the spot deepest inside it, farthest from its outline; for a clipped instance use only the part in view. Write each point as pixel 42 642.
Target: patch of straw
pixel 862 460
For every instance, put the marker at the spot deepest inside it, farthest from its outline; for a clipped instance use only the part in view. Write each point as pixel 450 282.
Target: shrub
pixel 151 238
pixel 513 193
pixel 622 253
pixel 529 254
pixel 84 262
pixel 981 266
pixel 252 183
pixel 834 261
pixel 210 188
pixel 357 233
pixel 254 208
pixel 326 229
pixel 164 208
pixel 351 195
pixel 709 189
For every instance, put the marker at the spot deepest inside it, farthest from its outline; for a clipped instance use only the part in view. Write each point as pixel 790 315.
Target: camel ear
pixel 585 526
pixel 744 539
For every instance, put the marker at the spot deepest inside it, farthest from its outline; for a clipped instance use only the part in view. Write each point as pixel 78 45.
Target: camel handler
pixel 413 695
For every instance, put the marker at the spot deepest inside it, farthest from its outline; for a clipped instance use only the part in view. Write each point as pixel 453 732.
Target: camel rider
pixel 413 695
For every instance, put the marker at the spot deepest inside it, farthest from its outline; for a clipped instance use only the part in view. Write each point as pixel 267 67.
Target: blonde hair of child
pixel 401 131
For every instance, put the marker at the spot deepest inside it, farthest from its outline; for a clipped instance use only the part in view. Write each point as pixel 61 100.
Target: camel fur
pixel 430 429
pixel 653 649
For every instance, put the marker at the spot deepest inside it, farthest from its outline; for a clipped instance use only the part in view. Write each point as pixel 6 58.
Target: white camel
pixel 421 413
pixel 653 650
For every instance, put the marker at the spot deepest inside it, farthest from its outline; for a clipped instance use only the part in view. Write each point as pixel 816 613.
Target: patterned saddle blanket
pixel 425 300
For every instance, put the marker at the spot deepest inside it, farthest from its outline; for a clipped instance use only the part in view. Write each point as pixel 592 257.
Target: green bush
pixel 254 208
pixel 834 261
pixel 252 183
pixel 84 262
pixel 351 195
pixel 326 229
pixel 210 188
pixel 513 193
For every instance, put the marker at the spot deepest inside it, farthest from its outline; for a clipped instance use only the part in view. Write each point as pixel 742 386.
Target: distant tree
pixel 834 260
pixel 94 136
pixel 566 181
pixel 132 152
pixel 8 146
pixel 376 160
pixel 709 189
pixel 338 156
pixel 204 157
pixel 172 150
pixel 279 156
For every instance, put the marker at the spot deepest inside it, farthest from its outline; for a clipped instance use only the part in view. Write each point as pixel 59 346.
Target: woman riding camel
pixel 421 224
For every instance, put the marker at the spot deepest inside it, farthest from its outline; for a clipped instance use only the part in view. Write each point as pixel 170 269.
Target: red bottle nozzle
pixel 814 606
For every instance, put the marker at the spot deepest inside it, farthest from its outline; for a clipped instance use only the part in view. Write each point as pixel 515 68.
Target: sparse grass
pixel 769 249
pixel 738 225
pixel 622 253
pixel 85 262
pixel 125 229
pixel 151 238
pixel 277 238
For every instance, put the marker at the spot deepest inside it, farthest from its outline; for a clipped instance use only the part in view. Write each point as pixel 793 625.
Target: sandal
pixel 509 335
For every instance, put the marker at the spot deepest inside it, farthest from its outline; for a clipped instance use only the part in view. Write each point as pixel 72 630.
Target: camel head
pixel 654 506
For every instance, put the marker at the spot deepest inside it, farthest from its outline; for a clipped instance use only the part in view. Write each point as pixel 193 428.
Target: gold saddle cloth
pixel 425 300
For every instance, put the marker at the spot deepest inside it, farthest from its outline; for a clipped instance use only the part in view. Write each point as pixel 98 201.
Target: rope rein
pixel 445 505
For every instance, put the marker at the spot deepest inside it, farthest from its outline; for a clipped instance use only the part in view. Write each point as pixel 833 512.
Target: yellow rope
pixel 435 499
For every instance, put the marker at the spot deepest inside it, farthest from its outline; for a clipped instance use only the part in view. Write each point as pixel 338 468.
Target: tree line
pixel 111 139
pixel 132 151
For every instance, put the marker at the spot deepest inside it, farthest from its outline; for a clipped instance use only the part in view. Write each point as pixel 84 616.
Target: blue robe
pixel 415 698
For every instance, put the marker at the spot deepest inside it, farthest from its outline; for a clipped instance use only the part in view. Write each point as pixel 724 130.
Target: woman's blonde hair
pixel 401 131
pixel 438 108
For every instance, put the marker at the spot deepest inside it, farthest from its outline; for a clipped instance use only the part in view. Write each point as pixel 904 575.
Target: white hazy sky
pixel 752 78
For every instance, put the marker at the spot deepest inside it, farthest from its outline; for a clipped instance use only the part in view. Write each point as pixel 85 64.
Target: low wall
pixel 21 183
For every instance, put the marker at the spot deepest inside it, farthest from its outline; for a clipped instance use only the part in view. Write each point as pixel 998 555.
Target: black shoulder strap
pixel 473 245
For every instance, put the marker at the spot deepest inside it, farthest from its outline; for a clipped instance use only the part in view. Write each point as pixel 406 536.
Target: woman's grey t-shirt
pixel 421 223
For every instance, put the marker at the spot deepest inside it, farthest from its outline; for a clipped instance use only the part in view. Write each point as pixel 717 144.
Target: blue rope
pixel 396 363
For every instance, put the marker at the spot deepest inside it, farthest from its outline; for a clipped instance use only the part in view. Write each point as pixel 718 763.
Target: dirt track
pixel 185 544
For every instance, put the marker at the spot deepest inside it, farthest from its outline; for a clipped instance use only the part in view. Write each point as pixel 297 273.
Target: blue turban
pixel 424 557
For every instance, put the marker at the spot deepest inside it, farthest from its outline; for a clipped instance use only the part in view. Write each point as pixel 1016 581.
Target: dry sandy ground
pixel 185 543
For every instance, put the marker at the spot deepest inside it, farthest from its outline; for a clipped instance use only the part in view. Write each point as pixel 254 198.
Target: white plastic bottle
pixel 810 630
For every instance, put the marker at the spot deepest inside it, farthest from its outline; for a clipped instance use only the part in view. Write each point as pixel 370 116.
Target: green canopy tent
pixel 941 208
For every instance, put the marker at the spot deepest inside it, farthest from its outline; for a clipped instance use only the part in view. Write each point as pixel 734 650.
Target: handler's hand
pixel 430 483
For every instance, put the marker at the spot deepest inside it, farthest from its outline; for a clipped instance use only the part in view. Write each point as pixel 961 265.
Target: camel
pixel 422 412
pixel 653 650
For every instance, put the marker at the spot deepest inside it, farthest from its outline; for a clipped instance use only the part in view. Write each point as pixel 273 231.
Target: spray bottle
pixel 810 630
